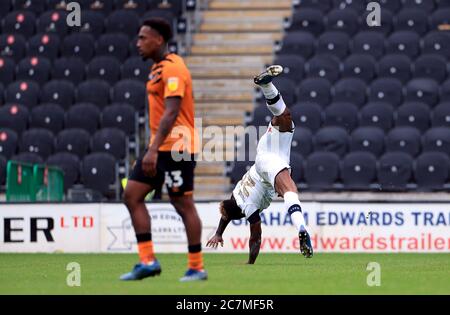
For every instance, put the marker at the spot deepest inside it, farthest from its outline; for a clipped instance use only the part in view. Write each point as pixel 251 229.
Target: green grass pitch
pixel 228 274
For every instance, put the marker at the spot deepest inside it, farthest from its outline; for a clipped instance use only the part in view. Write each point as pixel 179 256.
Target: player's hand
pixel 214 241
pixel 149 162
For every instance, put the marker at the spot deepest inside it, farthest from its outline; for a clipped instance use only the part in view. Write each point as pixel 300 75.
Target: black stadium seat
pixel 431 171
pixel 321 170
pixel 437 42
pixel 331 139
pixel 70 165
pixel 113 45
pixel 342 114
pixel 121 116
pixel 35 69
pixel 98 171
pixel 302 141
pixel 321 5
pixel 387 90
pixel 9 141
pixel 358 170
pixel 431 66
pixel 368 139
pixel 307 115
pixel 293 66
pixel 359 66
pixel 131 92
pixel 414 114
pixel 12 46
pixel 53 22
pixel 298 43
pixel 23 92
pixel 404 139
pixel 94 91
pixel 138 6
pixel 423 90
pixel 335 43
pixel 377 114
pixel 404 42
pixel 7 70
pixel 61 92
pixel 123 21
pixel 345 5
pixel 369 43
pixel 395 66
pixel 343 21
pixel 136 68
pixel 14 116
pixel 20 22
pixel 83 115
pixel 104 68
pixel 423 5
pixel 315 90
pixel 386 22
pixel 437 139
pixel 412 19
pixel 3 162
pixel 441 115
pixel 80 45
pixel 352 90
pixel 36 6
pixel 75 140
pixel 110 140
pixel 69 68
pixel 238 169
pixel 92 23
pixel 28 157
pixel 395 170
pixel 307 20
pixel 323 66
pixel 44 45
pixel 48 116
pixel 37 140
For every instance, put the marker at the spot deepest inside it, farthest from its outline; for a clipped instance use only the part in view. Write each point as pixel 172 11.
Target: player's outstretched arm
pixel 217 238
pixel 254 242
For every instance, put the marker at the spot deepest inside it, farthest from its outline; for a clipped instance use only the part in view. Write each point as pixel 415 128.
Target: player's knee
pixel 130 199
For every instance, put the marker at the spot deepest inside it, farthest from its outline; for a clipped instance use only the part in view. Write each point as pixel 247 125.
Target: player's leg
pixel 138 186
pixel 285 186
pixel 180 185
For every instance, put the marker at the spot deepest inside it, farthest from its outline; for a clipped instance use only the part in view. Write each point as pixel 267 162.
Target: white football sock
pixel 269 91
pixel 292 205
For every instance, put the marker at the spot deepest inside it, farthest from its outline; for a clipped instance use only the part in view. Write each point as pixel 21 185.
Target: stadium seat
pixel 287 89
pixel 395 170
pixel 334 43
pixel 73 140
pixel 53 22
pixel 321 5
pixel 137 6
pixel 431 171
pixel 412 19
pixel 441 115
pixel 36 6
pixel 131 92
pixel 261 116
pixel 7 71
pixel 386 23
pixel 69 163
pixel 110 140
pixel 35 69
pixel 2 91
pixel 331 139
pixel 358 170
pixel 298 43
pixel 293 66
pixel 437 42
pixel 307 115
pixel 440 4
pixel 444 95
pixel 395 66
pixel 323 66
pixel 48 116
pixel 80 45
pixel 37 140
pixel 439 17
pixel 238 169
pixel 391 5
pixel 3 162
pixel 14 116
pixel 387 90
pixel 136 68
pixel 23 92
pixel 12 46
pixel 369 43
pixel 61 92
pixel 315 90
pixel 368 139
pixel 92 23
pixel 321 170
pixel 302 141
pixel 404 139
pixel 341 114
pixel 423 5
pixel 104 68
pixel 69 68
pixel 404 42
pixel 359 66
pixel 99 6
pixel 164 13
pixel 345 21
pixel 307 20
pixel 350 90
pixel 98 171
pixel 174 6
pixel 94 91
pixel 297 168
pixel 20 22
pixel 5 7
pixel 8 142
pixel 113 45
pixel 353 5
pixel 83 115
pixel 123 21
pixel 437 139
pixel 121 116
pixel 423 90
pixel 431 66
pixel 28 157
pixel 44 45
pixel 414 114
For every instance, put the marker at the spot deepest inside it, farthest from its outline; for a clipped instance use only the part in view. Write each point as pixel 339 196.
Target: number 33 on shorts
pixel 173 180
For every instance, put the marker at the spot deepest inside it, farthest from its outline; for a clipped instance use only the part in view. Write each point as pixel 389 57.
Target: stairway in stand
pixel 234 42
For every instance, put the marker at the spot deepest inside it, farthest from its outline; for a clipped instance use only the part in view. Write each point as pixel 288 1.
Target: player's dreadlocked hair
pixel 230 210
pixel 161 26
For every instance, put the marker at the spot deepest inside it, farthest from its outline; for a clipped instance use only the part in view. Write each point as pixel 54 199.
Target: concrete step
pixel 224 72
pixel 268 16
pixel 212 107
pixel 211 195
pixel 250 4
pixel 232 50
pixel 210 169
pixel 229 85
pixel 241 27
pixel 212 182
pixel 223 96
pixel 236 38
